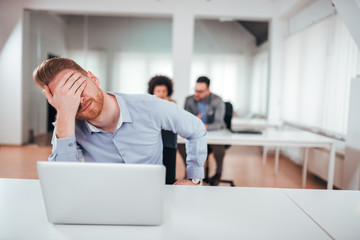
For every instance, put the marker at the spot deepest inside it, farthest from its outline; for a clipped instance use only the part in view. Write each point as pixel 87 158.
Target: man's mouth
pixel 87 107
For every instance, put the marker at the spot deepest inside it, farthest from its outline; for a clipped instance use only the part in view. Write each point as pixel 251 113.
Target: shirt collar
pixel 93 128
pixel 124 115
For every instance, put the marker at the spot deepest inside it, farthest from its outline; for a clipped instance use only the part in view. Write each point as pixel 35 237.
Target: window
pixel 93 61
pixel 132 71
pixel 228 75
pixel 319 63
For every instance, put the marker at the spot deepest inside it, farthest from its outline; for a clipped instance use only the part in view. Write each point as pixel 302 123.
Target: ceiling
pixel 260 30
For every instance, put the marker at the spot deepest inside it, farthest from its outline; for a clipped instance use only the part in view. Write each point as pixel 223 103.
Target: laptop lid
pixel 102 193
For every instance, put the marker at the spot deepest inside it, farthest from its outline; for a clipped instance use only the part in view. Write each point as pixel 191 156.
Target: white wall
pixel 313 13
pixel 10 14
pixel 350 13
pixel 120 33
pixel 10 90
pixel 215 37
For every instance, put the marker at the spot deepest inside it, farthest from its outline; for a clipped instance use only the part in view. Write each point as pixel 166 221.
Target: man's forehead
pixel 201 85
pixel 58 77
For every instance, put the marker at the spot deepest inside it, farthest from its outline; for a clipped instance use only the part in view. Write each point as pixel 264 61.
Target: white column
pixel 11 88
pixel 182 48
pixel 277 30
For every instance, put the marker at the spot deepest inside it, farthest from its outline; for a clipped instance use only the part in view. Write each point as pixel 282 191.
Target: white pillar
pixel 11 88
pixel 277 30
pixel 182 49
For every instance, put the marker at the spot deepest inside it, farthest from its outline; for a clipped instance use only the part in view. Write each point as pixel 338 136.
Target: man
pixel 211 110
pixel 112 127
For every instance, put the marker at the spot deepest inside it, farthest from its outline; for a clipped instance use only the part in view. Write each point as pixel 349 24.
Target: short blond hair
pixel 48 69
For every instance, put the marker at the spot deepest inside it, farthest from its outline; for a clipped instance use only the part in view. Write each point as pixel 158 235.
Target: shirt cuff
pixel 66 145
pixel 194 173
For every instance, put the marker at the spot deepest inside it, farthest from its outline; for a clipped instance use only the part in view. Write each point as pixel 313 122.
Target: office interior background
pixel 288 61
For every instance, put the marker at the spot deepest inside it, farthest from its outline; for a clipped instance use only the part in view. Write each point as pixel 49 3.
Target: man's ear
pixel 94 78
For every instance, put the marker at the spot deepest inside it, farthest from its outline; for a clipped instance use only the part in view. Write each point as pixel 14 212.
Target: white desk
pixel 279 138
pixel 254 123
pixel 337 211
pixel 189 213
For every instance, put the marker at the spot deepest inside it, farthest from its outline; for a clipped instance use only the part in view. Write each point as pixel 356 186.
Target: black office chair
pixel 169 155
pixel 227 119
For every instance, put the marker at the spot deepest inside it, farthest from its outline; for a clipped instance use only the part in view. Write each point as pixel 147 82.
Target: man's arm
pixel 219 115
pixel 66 100
pixel 191 128
pixel 65 149
pixel 187 105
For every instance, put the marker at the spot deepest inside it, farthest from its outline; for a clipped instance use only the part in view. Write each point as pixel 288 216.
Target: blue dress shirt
pixel 202 108
pixel 137 138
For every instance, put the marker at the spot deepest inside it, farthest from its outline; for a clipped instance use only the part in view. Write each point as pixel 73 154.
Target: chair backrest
pixel 227 118
pixel 228 114
pixel 169 155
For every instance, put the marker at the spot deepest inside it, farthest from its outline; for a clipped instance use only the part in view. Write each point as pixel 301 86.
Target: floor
pixel 243 165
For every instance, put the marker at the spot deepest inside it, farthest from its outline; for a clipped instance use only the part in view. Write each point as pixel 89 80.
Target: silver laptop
pixel 102 193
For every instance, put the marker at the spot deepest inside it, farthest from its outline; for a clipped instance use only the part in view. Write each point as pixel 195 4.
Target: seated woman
pixel 162 87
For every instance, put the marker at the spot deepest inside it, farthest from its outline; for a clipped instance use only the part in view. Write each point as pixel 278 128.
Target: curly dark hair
pixel 160 80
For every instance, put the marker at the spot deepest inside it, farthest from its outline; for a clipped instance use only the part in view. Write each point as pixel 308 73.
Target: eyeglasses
pixel 200 91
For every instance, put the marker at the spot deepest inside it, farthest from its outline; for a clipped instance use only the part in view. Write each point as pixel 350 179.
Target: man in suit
pixel 210 108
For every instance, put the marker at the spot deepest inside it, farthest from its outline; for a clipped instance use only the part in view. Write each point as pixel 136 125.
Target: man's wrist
pixel 65 126
pixel 65 116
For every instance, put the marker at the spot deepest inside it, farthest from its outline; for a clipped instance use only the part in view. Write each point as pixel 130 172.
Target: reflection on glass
pixel 123 52
pixel 228 53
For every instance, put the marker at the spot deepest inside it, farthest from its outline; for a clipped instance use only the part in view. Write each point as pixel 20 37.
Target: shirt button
pixel 70 144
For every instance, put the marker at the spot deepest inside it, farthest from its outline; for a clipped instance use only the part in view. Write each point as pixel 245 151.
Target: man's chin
pixel 94 110
pixel 87 117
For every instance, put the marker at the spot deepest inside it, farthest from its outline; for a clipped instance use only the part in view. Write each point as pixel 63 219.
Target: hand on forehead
pixel 66 76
